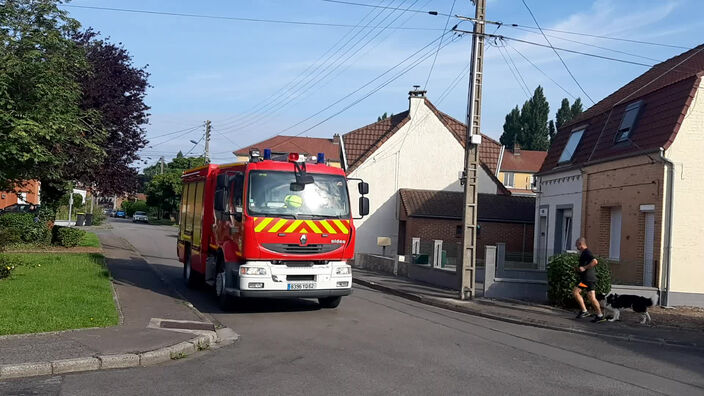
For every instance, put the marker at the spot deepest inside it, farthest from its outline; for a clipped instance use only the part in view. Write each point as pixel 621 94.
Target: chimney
pixel 516 149
pixel 415 98
pixel 336 139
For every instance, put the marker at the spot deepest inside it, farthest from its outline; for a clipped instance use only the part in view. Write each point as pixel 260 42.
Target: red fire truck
pixel 269 228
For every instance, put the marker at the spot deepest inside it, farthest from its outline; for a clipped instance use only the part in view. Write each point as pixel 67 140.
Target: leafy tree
pixel 576 108
pixel 534 117
pixel 552 131
pixel 513 128
pixel 564 113
pixel 45 133
pixel 164 192
pixel 116 89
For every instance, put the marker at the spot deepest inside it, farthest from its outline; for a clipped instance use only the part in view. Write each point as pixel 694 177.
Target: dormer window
pixel 571 145
pixel 628 122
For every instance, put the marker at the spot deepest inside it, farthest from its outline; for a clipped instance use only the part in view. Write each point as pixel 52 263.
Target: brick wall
pixel 628 184
pixel 8 198
pixel 518 237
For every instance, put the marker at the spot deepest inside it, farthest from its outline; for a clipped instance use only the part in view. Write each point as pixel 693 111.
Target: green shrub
pixel 8 264
pixel 23 227
pixel 99 217
pixel 67 236
pixel 134 206
pixel 563 276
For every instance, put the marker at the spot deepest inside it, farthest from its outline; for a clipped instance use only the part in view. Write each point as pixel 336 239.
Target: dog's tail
pixel 653 300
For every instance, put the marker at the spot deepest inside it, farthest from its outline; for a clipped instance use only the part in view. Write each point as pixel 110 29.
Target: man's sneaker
pixel 584 314
pixel 599 319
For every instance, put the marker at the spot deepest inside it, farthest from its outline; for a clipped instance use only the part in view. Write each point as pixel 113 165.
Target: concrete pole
pixel 207 141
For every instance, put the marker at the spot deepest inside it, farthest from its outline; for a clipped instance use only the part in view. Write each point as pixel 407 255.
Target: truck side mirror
pixel 221 181
pixel 219 200
pixel 363 188
pixel 363 206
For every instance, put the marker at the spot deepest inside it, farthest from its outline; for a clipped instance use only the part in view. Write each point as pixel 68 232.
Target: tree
pixel 116 89
pixel 45 134
pixel 534 117
pixel 512 128
pixel 164 192
pixel 552 131
pixel 567 113
pixel 576 108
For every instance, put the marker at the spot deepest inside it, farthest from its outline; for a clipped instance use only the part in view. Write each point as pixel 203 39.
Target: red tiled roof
pixel 667 90
pixel 449 204
pixel 363 142
pixel 297 144
pixel 528 161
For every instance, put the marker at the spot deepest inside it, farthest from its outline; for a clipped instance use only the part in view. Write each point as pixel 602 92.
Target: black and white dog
pixel 617 302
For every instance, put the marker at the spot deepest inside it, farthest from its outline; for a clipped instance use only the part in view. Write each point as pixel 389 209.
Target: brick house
pixel 283 145
pixel 420 148
pixel 437 215
pixel 625 174
pixel 28 193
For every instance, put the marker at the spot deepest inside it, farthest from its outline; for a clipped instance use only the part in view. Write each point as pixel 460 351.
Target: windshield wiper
pixel 318 216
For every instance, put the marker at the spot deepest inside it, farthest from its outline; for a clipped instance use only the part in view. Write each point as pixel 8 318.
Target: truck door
pixel 234 202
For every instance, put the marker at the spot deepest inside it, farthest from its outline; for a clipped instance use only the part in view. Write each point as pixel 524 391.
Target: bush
pixel 99 217
pixel 22 227
pixel 8 264
pixel 67 236
pixel 563 276
pixel 134 206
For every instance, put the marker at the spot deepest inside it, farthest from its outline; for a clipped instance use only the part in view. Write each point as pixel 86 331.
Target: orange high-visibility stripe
pixel 311 224
pixel 263 224
pixel 293 226
pixel 279 224
pixel 328 227
pixel 341 226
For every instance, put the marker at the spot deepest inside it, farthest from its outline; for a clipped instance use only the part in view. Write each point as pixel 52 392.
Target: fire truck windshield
pixel 270 194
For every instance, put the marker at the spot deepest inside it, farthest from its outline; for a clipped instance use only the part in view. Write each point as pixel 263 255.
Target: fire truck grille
pixel 297 249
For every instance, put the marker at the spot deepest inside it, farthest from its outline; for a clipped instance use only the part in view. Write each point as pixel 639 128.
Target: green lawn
pixel 90 240
pixel 56 292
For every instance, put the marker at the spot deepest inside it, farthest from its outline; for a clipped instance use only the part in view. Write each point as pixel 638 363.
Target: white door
pixel 615 245
pixel 648 271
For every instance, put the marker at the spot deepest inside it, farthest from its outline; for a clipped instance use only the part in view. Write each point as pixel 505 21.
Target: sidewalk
pixel 528 314
pixel 141 297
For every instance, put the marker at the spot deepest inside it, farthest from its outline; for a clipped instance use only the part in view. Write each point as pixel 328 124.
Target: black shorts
pixel 586 285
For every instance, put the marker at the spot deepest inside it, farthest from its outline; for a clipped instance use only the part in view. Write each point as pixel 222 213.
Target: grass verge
pixel 52 292
pixel 161 222
pixel 90 239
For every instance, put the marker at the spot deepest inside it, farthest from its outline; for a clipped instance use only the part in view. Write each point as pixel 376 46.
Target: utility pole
pixel 471 167
pixel 207 141
pixel 161 162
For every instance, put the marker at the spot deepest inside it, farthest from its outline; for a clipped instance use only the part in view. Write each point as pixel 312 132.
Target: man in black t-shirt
pixel 587 281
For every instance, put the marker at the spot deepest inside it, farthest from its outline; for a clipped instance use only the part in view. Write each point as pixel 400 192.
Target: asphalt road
pixel 379 344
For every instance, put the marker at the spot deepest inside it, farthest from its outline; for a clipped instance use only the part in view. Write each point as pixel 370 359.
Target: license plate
pixel 301 286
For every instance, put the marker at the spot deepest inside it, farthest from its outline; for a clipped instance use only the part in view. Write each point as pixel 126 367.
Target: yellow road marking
pixel 263 224
pixel 341 226
pixel 313 226
pixel 293 226
pixel 328 227
pixel 278 225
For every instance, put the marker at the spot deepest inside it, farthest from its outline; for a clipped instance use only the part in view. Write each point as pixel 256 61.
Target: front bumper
pixel 315 293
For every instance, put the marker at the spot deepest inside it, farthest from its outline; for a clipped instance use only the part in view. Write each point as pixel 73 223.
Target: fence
pixel 504 280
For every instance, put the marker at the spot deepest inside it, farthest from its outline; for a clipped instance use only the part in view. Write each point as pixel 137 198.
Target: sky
pixel 256 79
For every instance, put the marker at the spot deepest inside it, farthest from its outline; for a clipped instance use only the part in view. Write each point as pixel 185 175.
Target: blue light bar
pixel 321 158
pixel 267 154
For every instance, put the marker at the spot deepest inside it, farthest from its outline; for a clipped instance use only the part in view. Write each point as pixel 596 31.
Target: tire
pixel 221 282
pixel 329 302
pixel 189 276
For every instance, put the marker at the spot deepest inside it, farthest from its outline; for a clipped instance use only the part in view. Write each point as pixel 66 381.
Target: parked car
pixel 121 214
pixel 140 216
pixel 20 208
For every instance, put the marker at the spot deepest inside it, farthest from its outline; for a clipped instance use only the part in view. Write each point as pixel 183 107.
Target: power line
pixel 317 75
pixel 242 19
pixel 594 46
pixel 432 66
pixel 175 132
pixel 195 145
pixel 385 7
pixel 518 72
pixel 175 138
pixel 545 74
pixel 522 86
pixel 557 53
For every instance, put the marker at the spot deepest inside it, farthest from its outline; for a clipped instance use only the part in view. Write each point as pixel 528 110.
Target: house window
pixel 508 179
pixel 571 146
pixel 628 121
pixel 458 231
pixel 615 234
pixel 566 230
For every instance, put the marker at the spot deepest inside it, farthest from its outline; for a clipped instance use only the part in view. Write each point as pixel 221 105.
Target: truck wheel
pixel 224 299
pixel 189 275
pixel 329 302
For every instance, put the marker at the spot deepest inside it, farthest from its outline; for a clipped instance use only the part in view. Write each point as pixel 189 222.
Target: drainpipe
pixel 665 296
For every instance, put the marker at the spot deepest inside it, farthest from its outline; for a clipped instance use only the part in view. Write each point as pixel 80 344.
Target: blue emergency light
pixel 321 158
pixel 267 154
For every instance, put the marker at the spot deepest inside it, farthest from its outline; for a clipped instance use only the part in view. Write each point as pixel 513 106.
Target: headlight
pixel 342 270
pixel 252 271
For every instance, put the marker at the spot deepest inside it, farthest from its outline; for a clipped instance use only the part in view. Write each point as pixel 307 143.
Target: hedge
pixel 563 276
pixel 67 236
pixel 23 227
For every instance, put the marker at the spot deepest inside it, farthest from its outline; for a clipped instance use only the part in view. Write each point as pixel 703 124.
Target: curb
pixel 538 324
pixel 207 340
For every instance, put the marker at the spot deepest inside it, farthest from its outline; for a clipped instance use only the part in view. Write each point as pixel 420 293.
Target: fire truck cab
pixel 269 228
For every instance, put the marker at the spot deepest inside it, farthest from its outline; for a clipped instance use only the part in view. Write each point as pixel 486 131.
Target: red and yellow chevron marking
pixel 285 226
